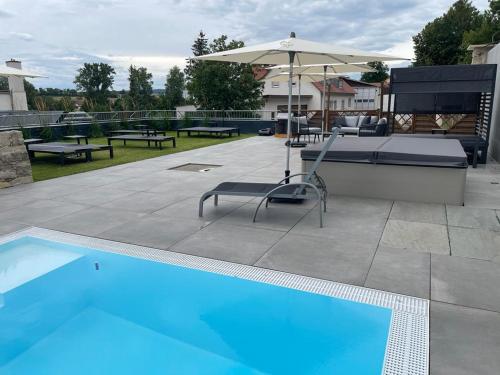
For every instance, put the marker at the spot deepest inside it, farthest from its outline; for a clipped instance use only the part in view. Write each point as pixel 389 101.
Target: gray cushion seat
pixel 394 151
pixel 350 124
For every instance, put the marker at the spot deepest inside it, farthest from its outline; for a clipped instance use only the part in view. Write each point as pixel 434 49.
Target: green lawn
pixel 46 166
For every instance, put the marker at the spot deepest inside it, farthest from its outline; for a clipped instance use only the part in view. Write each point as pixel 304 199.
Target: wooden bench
pixel 66 149
pixel 157 139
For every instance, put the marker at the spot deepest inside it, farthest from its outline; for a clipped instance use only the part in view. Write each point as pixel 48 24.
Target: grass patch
pixel 46 166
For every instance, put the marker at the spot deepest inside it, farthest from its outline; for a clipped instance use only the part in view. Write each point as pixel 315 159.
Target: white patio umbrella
pixel 6 71
pixel 293 51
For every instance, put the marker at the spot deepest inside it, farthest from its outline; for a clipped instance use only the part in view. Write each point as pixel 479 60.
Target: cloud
pixel 58 36
pixel 27 37
pixel 5 14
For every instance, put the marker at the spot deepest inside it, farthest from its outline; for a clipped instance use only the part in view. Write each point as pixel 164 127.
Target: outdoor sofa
pixel 395 168
pixel 350 125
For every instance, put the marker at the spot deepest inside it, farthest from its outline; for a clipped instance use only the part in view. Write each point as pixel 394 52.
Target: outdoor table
pixel 78 137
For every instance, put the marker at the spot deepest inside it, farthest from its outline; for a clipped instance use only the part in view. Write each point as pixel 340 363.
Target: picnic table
pixel 218 131
pixel 157 139
pixel 65 149
pixel 78 137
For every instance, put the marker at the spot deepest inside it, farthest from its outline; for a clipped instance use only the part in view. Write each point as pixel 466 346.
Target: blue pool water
pixel 66 309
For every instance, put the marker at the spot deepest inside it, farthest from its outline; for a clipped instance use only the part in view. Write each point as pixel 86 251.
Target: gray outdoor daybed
pixel 395 168
pixel 67 149
pixel 311 187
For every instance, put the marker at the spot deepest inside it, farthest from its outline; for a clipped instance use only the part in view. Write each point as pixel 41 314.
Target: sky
pixel 55 37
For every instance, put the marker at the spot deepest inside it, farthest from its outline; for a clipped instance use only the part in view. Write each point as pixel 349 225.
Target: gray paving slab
pixel 93 196
pixel 275 217
pixel 431 213
pixel 467 282
pixel 229 242
pixel 152 231
pixel 344 227
pixel 464 341
pixel 141 202
pixel 91 221
pixel 475 243
pixel 188 209
pixel 323 258
pixel 40 211
pixel 472 217
pixel 343 205
pixel 7 227
pixel 400 271
pixel 423 237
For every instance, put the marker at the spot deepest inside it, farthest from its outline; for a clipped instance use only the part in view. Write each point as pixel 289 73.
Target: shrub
pixel 26 132
pixel 95 130
pixel 113 126
pixel 206 121
pixel 167 124
pixel 186 121
pixel 46 133
pixel 124 124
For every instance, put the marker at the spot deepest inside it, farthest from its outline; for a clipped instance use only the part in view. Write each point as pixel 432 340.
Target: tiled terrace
pixel 448 254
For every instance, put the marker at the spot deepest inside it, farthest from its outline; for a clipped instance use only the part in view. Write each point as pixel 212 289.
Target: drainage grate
pixel 194 167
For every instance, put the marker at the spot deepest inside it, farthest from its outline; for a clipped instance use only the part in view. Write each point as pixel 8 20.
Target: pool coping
pixel 407 351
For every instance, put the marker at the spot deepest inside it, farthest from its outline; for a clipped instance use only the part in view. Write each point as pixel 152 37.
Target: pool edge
pixel 407 349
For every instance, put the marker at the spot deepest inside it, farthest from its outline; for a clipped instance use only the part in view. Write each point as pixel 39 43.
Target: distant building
pixel 345 94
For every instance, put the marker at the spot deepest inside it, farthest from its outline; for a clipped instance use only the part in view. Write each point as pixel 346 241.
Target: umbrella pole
pixel 299 110
pixel 323 117
pixel 291 54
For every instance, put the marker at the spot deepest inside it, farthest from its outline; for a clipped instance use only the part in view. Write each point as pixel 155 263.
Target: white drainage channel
pixel 407 351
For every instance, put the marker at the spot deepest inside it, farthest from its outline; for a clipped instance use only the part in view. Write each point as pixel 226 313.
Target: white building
pixel 345 94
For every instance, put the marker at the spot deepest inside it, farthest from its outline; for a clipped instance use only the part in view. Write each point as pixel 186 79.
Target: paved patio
pixel 448 254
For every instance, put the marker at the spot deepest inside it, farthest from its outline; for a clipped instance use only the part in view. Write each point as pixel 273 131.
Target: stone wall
pixel 15 166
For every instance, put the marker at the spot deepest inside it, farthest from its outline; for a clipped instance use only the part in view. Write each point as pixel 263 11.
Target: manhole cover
pixel 193 167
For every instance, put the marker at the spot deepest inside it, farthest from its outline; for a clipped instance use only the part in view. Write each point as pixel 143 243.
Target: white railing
pixel 54 118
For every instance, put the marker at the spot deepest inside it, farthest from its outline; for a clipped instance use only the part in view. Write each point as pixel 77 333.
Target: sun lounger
pixel 157 139
pixel 311 182
pixel 218 131
pixel 67 149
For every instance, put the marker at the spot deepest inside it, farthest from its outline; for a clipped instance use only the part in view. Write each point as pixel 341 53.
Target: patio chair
pixel 312 182
pixel 377 130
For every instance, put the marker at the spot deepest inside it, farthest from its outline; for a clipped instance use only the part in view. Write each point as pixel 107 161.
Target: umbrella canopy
pixel 305 53
pixel 294 51
pixel 315 69
pixel 6 71
pixel 312 77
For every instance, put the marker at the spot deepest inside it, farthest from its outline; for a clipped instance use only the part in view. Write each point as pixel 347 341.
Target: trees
pixel 95 79
pixel 380 74
pixel 220 85
pixel 440 41
pixel 174 88
pixel 141 87
pixel 488 30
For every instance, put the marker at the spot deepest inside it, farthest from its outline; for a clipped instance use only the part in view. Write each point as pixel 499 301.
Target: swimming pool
pixel 76 305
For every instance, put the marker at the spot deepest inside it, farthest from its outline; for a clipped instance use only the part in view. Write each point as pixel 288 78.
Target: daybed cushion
pixel 351 121
pixel 394 151
pixel 363 120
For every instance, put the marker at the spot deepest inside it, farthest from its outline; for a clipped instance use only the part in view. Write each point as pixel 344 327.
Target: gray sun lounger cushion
pixel 394 151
